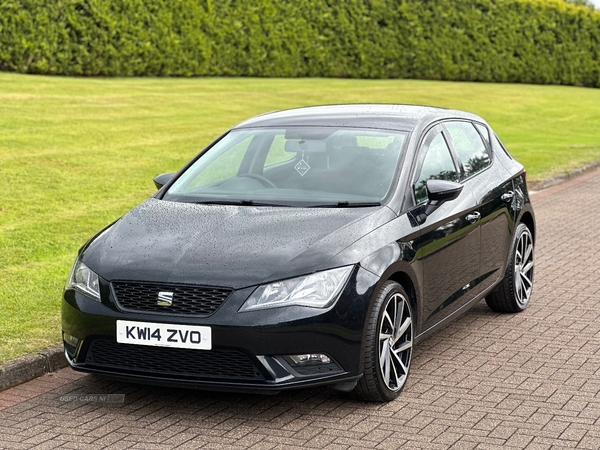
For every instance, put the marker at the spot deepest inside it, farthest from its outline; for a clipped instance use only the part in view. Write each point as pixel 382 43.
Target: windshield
pixel 294 166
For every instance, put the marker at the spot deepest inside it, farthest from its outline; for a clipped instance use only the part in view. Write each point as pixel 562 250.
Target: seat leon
pixel 308 247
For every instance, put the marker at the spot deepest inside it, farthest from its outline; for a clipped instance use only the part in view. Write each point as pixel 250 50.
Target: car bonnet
pixel 226 245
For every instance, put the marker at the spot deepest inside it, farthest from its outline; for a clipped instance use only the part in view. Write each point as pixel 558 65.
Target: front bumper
pixel 249 349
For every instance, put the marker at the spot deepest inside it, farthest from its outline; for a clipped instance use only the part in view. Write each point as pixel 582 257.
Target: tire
pixel 514 291
pixel 387 345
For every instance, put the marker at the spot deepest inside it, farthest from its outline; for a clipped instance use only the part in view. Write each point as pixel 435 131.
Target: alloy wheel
pixel 524 268
pixel 395 342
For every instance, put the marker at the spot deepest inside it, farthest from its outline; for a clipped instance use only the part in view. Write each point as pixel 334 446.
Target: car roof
pixel 382 116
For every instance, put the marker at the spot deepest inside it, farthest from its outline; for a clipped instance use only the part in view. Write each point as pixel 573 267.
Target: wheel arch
pixel 402 273
pixel 404 280
pixel 365 388
pixel 527 219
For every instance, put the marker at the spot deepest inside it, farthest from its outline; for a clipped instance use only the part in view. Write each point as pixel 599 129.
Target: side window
pixel 438 165
pixel 484 132
pixel 471 150
pixel 374 141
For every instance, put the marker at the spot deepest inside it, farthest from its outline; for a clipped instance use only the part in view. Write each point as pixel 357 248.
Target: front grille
pixel 187 299
pixel 183 362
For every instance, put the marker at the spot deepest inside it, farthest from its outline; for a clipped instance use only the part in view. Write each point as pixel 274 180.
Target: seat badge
pixel 165 298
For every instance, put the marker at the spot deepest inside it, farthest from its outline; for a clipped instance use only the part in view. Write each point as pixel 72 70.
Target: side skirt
pixel 456 314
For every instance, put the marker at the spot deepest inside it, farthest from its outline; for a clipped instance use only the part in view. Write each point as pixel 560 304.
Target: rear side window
pixel 438 165
pixel 469 146
pixel 484 133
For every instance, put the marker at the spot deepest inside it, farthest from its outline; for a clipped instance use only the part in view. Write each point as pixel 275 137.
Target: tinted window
pixel 438 165
pixel 470 147
pixel 484 133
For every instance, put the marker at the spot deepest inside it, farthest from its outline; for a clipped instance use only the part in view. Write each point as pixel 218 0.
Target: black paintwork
pixel 443 260
pixel 175 242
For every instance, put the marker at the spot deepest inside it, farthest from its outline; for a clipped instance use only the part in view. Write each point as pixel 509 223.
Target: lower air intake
pixel 161 361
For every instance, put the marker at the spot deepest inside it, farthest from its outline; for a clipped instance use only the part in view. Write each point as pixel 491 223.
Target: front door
pixel 449 244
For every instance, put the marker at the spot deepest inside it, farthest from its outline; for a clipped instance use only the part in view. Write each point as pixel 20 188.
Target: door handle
pixel 507 196
pixel 473 217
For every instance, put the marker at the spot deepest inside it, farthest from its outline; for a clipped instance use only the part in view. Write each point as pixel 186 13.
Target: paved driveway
pixel 530 380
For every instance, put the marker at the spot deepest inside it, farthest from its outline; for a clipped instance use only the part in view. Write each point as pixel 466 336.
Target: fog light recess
pixel 309 359
pixel 71 343
pixel 312 364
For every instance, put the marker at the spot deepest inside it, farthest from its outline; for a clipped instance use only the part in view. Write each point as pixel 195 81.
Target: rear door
pixel 492 190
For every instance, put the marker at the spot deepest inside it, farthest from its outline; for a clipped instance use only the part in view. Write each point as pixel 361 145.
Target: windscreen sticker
pixel 302 167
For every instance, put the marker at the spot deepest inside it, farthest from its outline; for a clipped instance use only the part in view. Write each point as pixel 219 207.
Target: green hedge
pixel 528 41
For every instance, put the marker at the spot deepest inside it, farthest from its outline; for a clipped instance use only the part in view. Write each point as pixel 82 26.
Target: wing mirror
pixel 162 179
pixel 438 192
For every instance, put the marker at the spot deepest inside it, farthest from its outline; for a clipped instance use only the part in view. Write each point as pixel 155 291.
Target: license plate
pixel 164 335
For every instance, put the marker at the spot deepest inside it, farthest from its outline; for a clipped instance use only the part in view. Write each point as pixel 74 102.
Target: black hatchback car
pixel 306 247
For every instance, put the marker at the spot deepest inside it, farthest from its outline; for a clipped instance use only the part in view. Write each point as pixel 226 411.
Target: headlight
pixel 318 290
pixel 83 280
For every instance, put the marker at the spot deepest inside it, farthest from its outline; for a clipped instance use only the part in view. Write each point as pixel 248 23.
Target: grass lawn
pixel 77 153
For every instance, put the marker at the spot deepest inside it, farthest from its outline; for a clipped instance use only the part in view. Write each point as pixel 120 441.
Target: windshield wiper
pixel 342 204
pixel 347 204
pixel 236 202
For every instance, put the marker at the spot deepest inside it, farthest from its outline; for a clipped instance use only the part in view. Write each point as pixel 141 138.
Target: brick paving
pixel 487 381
